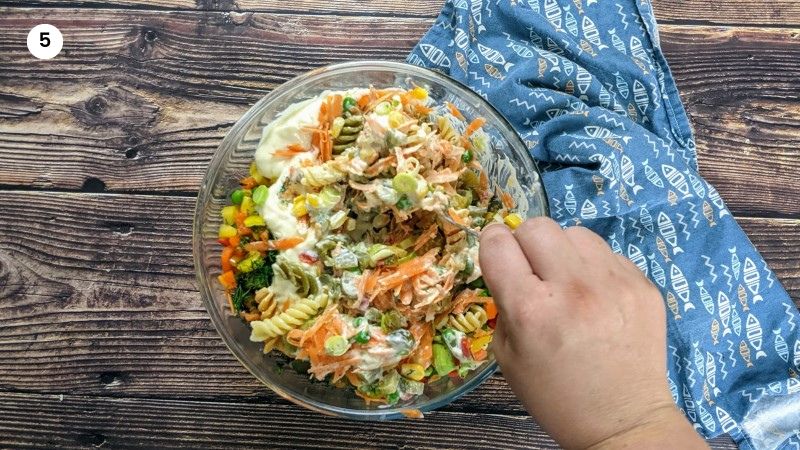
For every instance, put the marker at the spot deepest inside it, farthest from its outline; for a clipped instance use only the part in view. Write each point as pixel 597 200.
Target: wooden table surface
pixel 104 341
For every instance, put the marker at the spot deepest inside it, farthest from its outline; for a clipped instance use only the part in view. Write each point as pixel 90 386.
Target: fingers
pixel 504 266
pixel 550 253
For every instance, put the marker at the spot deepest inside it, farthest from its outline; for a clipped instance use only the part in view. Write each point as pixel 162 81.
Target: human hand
pixel 581 338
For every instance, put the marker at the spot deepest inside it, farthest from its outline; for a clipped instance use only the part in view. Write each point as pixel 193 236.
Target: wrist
pixel 665 427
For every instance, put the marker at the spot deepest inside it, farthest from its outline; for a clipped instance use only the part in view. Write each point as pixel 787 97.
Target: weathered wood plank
pixel 79 422
pixel 740 89
pixel 98 297
pixel 135 104
pixel 736 12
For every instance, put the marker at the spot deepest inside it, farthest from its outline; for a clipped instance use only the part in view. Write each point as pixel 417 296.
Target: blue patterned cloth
pixel 585 84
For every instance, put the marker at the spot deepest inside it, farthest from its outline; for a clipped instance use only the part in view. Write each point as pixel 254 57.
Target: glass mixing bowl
pixel 509 165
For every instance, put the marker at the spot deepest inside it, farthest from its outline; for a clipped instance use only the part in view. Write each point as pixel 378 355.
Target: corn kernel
pixel 513 220
pixel 227 231
pixel 299 208
pixel 419 93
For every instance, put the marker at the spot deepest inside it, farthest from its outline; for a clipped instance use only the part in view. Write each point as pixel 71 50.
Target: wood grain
pixel 740 89
pixel 732 12
pixel 133 105
pixel 99 298
pixel 80 422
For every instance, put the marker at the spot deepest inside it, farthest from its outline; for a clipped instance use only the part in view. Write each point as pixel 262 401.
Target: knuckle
pixel 538 225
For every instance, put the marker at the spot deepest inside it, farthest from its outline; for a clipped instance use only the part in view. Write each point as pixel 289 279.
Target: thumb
pixel 505 268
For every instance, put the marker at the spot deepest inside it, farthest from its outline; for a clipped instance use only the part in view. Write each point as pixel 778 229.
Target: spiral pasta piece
pixel 353 124
pixel 468 321
pixel 267 305
pixel 446 129
pixel 322 175
pixel 292 318
pixel 306 284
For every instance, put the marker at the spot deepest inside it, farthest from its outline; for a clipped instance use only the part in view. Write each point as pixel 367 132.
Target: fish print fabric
pixel 586 86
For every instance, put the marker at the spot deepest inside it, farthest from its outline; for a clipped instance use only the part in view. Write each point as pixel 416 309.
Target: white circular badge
pixel 45 41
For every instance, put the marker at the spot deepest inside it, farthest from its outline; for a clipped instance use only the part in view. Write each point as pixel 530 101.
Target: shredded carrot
pixel 422 110
pixel 474 125
pixel 454 111
pixel 225 259
pixel 287 243
pixel 290 151
pixel 456 218
pixel 336 106
pixel 426 236
pixel 507 200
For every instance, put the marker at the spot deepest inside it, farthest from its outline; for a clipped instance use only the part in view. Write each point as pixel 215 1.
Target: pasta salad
pixel 336 250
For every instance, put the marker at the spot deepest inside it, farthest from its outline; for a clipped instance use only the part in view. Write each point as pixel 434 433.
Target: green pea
pixel 466 157
pixel 348 103
pixel 403 203
pixel 393 398
pixel 362 337
pixel 237 196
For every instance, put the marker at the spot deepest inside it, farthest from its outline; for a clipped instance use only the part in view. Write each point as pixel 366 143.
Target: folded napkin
pixel 586 86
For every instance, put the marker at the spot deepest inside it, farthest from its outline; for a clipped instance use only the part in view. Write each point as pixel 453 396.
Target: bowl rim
pixel 236 133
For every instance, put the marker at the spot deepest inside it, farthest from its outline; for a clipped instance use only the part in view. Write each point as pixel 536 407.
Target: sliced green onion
pixel 383 108
pixel 260 195
pixel 336 345
pixel 405 183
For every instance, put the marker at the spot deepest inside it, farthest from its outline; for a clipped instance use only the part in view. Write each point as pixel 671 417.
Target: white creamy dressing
pixel 290 127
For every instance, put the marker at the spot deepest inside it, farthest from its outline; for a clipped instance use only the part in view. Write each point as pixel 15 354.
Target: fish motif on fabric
pixel 744 351
pixel 705 297
pixel 754 335
pixel 752 279
pixel 724 307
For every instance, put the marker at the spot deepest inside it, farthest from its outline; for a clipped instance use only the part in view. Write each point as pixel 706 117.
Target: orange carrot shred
pixel 507 200
pixel 454 111
pixel 474 125
pixel 287 243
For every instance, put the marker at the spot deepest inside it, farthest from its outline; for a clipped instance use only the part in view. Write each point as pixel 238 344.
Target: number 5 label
pixel 45 41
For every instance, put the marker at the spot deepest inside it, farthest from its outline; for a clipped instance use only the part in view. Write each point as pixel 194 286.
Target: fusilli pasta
pixel 468 321
pixel 321 175
pixel 353 124
pixel 306 283
pixel 292 318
